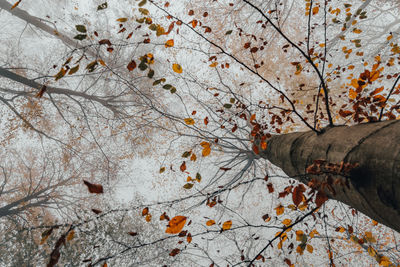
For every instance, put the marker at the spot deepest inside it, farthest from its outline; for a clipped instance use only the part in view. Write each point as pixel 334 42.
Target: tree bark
pixel 373 186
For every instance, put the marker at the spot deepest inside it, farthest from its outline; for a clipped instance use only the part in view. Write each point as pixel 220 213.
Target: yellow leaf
pixel 177 68
pixel 313 233
pixel 213 65
pixel 299 250
pixel 279 210
pixel 162 169
pixel 389 37
pixel 122 19
pixel 287 222
pixel 299 235
pixel 357 31
pixel 371 251
pixel 210 222
pixel 310 249
pixel 175 225
pixel 352 94
pixel 169 43
pixel 193 157
pixel 369 237
pixel 384 261
pixel 189 121
pixel 227 225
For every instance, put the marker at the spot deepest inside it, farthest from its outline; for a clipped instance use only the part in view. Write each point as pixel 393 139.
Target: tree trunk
pixel 373 187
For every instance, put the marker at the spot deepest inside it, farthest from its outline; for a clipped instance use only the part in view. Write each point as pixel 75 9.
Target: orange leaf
pixel 227 225
pixel 279 210
pixel 189 238
pixel 310 249
pixel 169 43
pixel 263 145
pixel 287 222
pixel 377 91
pixel 210 222
pixel 194 23
pixel 94 188
pixel 148 217
pixel 193 157
pixel 206 120
pixel 177 68
pixel 315 10
pixel 16 4
pixel 213 65
pixel 122 19
pixel 352 94
pixel 175 225
pixel 70 235
pixel 206 151
pixel 145 211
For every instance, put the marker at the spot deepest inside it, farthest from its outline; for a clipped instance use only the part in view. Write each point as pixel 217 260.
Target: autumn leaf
pixel 189 121
pixel 169 43
pixel 73 70
pixel 279 210
pixel 122 19
pixel 132 233
pixel 176 224
pixel 70 235
pixel 297 195
pixel 309 248
pixel 226 225
pixel 189 238
pixel 315 10
pixel 188 186
pixel 210 222
pixel 213 65
pixel 131 66
pixel 320 198
pixel 352 94
pixel 148 218
pixel 94 188
pixel 162 169
pixel 60 74
pixel 287 222
pixel 96 211
pixel 16 4
pixel 177 68
pixel 174 252
pixel 145 211
pixel 45 235
pixel 183 166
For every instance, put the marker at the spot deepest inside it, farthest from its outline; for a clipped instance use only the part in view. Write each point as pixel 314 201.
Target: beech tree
pixel 229 91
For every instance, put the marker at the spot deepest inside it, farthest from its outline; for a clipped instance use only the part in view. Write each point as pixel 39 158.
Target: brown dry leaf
pixel 94 188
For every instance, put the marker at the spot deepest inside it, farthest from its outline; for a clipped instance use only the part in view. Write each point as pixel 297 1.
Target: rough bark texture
pixel 374 185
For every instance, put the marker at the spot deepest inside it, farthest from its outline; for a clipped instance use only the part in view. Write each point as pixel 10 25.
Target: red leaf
pixel 320 198
pixel 183 166
pixel 94 188
pixel 297 194
pixel 345 113
pixel 131 66
pixel 270 188
pixel 105 41
pixel 174 252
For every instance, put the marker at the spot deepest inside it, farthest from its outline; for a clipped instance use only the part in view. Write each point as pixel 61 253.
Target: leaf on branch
pixel 174 252
pixel 210 222
pixel 176 224
pixel 188 186
pixel 279 210
pixel 73 70
pixel 188 121
pixel 145 211
pixel 96 211
pixel 81 28
pixel 226 225
pixel 122 19
pixel 297 195
pixel 320 198
pixel 183 166
pixel 94 188
pixel 177 68
pixel 169 43
pixel 80 37
pixel 16 4
pixel 132 65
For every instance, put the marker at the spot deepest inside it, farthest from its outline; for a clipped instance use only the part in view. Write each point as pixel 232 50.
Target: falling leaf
pixel 169 43
pixel 131 66
pixel 145 211
pixel 189 121
pixel 94 188
pixel 176 224
pixel 227 225
pixel 177 68
pixel 210 222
